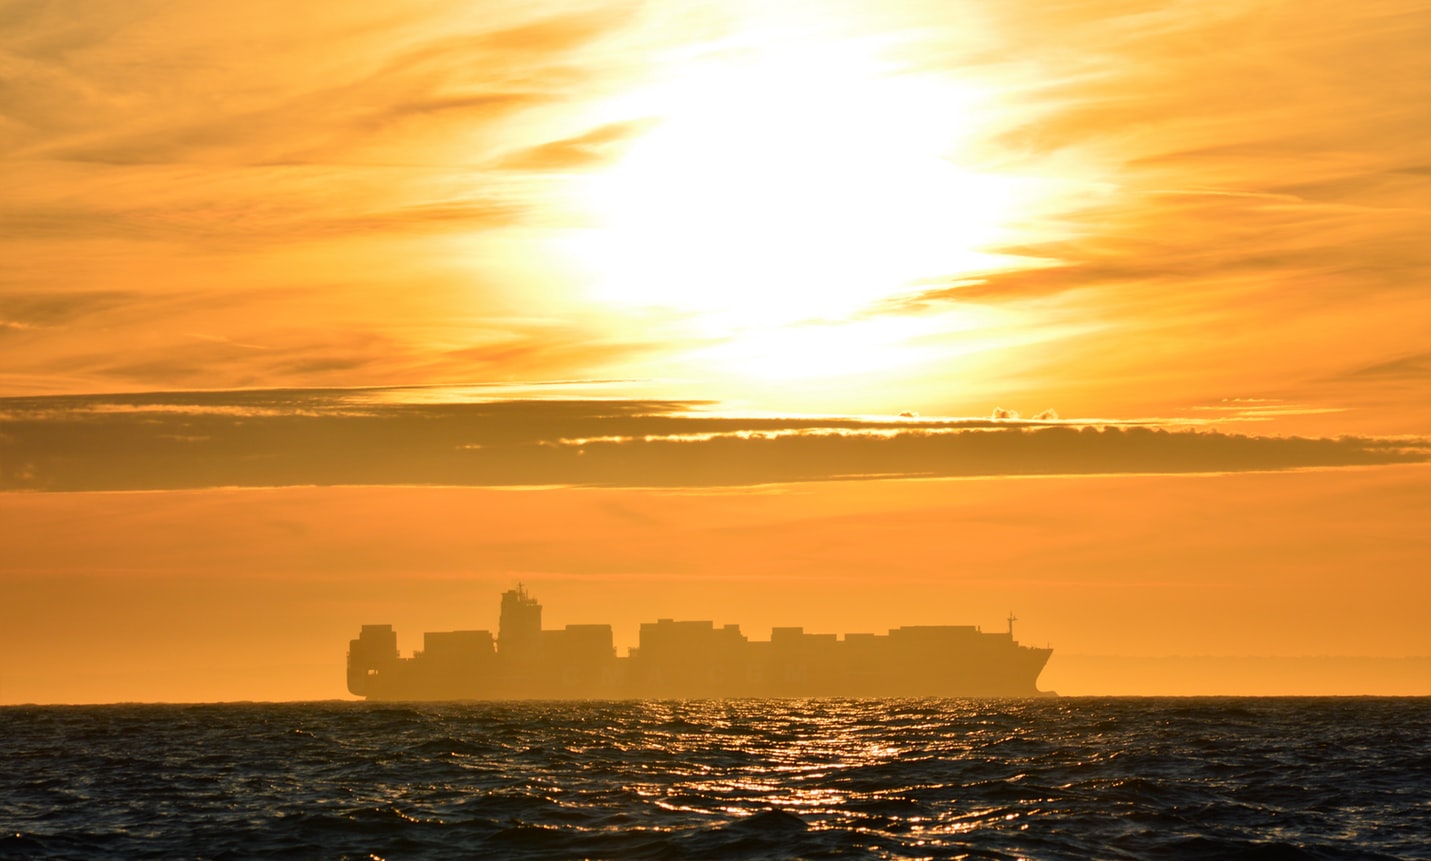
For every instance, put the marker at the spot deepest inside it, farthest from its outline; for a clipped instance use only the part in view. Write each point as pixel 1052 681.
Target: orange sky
pixel 681 266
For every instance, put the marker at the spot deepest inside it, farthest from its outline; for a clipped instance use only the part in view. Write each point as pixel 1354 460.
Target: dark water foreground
pixel 1049 779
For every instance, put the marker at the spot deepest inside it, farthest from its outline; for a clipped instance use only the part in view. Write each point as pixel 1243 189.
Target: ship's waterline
pixel 689 659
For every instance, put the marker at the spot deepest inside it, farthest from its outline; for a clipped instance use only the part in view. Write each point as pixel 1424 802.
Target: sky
pixel 843 315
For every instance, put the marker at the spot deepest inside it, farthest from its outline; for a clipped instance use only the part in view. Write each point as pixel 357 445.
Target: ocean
pixel 1071 778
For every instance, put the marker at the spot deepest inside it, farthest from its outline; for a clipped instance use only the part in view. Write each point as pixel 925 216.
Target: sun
pixel 791 182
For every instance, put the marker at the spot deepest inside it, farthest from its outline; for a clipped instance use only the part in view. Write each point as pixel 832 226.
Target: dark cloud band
pixel 330 437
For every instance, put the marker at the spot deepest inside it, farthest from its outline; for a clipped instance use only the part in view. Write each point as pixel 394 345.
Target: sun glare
pixel 792 183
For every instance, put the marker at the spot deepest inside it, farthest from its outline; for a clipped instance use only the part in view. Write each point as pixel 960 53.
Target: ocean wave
pixel 1049 779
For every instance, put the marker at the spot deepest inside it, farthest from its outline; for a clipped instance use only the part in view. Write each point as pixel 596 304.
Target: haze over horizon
pixel 785 313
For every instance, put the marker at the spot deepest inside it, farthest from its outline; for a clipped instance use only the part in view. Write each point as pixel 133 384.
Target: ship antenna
pixel 1012 620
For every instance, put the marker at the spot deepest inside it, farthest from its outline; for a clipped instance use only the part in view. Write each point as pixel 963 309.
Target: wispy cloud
pixel 262 178
pixel 581 151
pixel 1231 201
pixel 35 310
pixel 1248 192
pixel 341 83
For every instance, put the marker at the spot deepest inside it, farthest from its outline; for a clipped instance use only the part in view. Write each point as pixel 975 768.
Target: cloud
pixel 1160 239
pixel 1414 367
pixel 175 149
pixel 558 33
pixel 198 360
pixel 35 310
pixel 579 152
pixel 216 337
pixel 198 95
pixel 251 176
pixel 1286 215
pixel 355 437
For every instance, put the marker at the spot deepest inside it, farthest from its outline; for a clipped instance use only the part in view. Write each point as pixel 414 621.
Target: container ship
pixel 689 660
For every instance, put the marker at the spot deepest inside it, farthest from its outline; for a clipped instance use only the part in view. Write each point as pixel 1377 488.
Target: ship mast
pixel 1012 620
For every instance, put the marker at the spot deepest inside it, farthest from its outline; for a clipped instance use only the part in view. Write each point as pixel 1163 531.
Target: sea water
pixel 1273 778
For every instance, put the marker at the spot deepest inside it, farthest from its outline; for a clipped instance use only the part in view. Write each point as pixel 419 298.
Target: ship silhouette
pixel 687 660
